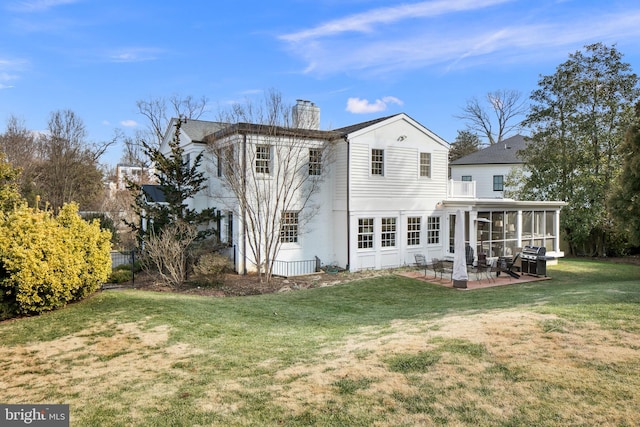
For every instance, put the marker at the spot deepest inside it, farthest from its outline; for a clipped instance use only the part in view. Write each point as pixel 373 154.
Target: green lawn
pixel 382 351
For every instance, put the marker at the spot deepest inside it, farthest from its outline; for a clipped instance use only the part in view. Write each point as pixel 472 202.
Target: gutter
pixel 346 139
pixel 244 210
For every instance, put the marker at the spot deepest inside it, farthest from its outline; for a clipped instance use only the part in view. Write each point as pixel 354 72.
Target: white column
pixel 556 226
pixel 519 228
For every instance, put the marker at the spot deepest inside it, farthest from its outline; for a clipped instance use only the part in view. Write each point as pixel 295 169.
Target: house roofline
pixel 260 129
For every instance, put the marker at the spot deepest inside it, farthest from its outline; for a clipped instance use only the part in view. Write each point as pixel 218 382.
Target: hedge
pixel 47 261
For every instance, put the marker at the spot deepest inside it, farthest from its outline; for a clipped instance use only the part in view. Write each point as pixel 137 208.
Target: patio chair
pixel 468 254
pixel 483 268
pixel 421 262
pixel 438 267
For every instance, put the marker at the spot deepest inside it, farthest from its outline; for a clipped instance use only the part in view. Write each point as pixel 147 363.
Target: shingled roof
pixel 197 130
pixel 505 152
pixel 154 193
pixel 353 128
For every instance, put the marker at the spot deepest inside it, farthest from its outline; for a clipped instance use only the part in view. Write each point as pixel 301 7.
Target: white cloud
pixel 363 106
pixel 364 22
pixel 453 35
pixel 135 54
pixel 129 123
pixel 38 5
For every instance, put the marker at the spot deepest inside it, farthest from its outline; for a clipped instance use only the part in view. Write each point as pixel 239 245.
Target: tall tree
pixel 69 169
pixel 497 117
pixel 271 166
pixel 624 201
pixel 159 111
pixel 179 181
pixel 578 120
pixel 466 142
pixel 20 147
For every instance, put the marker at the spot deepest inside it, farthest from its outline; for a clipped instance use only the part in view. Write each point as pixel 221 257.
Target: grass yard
pixel 381 351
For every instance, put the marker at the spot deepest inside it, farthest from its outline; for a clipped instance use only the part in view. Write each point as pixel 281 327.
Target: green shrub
pixel 47 261
pixel 120 276
pixel 210 268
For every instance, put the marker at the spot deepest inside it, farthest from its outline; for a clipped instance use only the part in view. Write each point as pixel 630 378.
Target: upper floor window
pixel 377 162
pixel 498 182
pixel 413 230
pixel 315 161
pixel 263 159
pixel 425 164
pixel 388 232
pixel 289 227
pixel 466 178
pixel 365 233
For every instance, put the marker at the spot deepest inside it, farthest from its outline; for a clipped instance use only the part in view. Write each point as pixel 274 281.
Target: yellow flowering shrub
pixel 47 261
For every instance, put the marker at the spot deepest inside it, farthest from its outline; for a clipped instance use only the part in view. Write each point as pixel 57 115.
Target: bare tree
pixel 20 148
pixel 68 169
pixel 159 111
pixel 497 117
pixel 270 168
pixel 167 252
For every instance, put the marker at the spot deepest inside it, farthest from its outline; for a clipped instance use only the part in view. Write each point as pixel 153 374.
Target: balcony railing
pixel 462 189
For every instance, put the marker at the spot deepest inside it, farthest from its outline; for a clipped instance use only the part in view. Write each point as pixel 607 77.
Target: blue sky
pixel 356 59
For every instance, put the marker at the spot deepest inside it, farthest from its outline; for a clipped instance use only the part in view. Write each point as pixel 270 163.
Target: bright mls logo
pixel 34 415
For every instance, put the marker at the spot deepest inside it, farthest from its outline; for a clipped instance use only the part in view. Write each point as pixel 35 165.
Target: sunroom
pixel 502 227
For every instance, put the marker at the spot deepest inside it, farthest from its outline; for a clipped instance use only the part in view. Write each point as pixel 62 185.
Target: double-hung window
pixel 263 159
pixel 425 165
pixel 289 227
pixel 413 230
pixel 377 162
pixel 388 238
pixel 433 230
pixel 365 233
pixel 315 161
pixel 498 182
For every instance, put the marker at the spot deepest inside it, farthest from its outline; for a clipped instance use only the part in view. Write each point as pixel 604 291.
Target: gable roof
pixel 356 127
pixel 154 193
pixel 504 152
pixel 197 130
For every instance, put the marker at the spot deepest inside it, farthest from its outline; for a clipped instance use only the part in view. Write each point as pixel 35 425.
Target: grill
pixel 534 260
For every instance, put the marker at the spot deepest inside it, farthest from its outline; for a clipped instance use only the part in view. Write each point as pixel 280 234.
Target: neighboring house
pixel 133 173
pixel 489 167
pixel 385 198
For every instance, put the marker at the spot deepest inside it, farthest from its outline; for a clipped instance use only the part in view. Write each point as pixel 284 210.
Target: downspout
pixel 244 209
pixel 348 266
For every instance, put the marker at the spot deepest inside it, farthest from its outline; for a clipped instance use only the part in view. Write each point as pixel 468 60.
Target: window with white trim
pixel 466 178
pixel 388 236
pixel 263 159
pixel 425 165
pixel 315 161
pixel 377 161
pixel 365 233
pixel 414 224
pixel 433 230
pixel 289 227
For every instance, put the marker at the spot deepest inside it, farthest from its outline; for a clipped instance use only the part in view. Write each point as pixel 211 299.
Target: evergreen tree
pixel 466 143
pixel 179 180
pixel 578 119
pixel 625 200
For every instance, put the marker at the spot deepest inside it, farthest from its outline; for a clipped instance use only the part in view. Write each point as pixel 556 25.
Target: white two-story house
pixel 384 197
